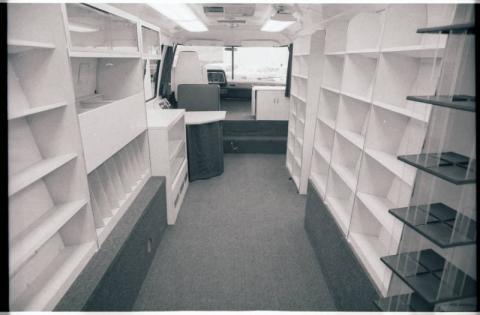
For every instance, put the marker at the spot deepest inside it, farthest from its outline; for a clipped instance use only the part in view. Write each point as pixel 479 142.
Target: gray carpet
pixel 237 109
pixel 239 244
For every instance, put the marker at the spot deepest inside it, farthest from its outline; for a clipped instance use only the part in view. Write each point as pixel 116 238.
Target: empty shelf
pixel 346 175
pixel 401 111
pixel 453 170
pixel 436 222
pixel 298 97
pixel 416 51
pixel 320 182
pixel 35 110
pixel 301 76
pixel 357 97
pixel 16 46
pixel 468 28
pixel 324 152
pixel 35 172
pixel 26 244
pixel 44 292
pixel 399 169
pixel 339 212
pixel 461 102
pixel 403 303
pixel 329 122
pixel 368 53
pixel 331 89
pixel 175 146
pixel 422 272
pixel 378 207
pixel 352 137
pixel 104 54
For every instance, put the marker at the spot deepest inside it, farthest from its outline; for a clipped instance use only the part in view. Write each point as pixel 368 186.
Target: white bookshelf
pixel 51 225
pixel 116 182
pixel 306 66
pixel 372 62
pixel 168 155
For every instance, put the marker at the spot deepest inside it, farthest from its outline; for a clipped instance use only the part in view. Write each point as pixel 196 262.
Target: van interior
pixel 173 156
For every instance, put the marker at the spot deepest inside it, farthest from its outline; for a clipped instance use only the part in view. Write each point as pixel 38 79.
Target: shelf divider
pixel 36 110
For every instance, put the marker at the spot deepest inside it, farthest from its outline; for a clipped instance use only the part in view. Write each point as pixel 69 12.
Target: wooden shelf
pixel 422 272
pixel 367 53
pixel 35 172
pixel 301 76
pixel 468 28
pixel 437 222
pixel 36 110
pixel 416 51
pixel 392 164
pixel 378 207
pixel 335 53
pixel 333 90
pixel 352 137
pixel 402 111
pixel 456 173
pixel 49 287
pixel 460 102
pixel 16 46
pixel 27 243
pixel 175 146
pixel 357 97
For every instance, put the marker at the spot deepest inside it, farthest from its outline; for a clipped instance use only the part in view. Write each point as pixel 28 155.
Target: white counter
pixel 203 117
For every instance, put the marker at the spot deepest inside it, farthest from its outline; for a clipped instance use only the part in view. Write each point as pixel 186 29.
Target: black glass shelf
pixel 439 223
pixel 450 166
pixel 468 28
pixel 460 102
pixel 403 303
pixel 422 271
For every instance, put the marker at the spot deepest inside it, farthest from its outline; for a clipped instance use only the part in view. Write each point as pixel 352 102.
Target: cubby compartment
pixel 300 111
pixel 44 278
pixel 319 171
pixel 371 241
pixel 116 182
pixel 299 89
pixel 336 37
pixel 364 31
pixel 300 67
pixel 400 76
pixel 299 130
pixel 379 190
pixel 358 77
pixel 339 199
pixel 100 29
pixel 328 107
pixel 345 161
pixel 296 172
pixel 390 135
pixel 352 120
pixel 333 71
pixel 323 142
pixel 401 24
pixel 151 47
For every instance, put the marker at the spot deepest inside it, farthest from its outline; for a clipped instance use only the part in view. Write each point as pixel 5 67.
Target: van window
pixel 250 64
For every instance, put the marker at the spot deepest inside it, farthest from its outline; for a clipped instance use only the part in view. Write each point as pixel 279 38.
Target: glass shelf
pixel 461 102
pixel 403 303
pixel 438 223
pixel 450 166
pixel 422 271
pixel 468 28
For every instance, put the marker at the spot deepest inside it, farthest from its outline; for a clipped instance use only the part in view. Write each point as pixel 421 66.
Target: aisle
pixel 239 244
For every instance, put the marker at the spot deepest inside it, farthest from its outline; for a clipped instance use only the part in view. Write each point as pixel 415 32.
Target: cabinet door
pixel 271 105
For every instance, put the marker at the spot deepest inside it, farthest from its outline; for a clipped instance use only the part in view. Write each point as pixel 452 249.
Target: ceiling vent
pixel 232 21
pixel 230 10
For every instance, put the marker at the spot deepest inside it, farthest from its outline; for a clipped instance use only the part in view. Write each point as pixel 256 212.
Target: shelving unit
pixel 51 225
pixel 116 182
pixel 168 155
pixel 437 257
pixel 307 63
pixel 372 63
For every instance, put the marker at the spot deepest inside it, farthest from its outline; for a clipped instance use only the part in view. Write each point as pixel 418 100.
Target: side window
pixel 151 69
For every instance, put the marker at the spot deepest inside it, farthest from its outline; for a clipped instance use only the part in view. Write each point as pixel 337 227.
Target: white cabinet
pixel 270 103
pixel 168 155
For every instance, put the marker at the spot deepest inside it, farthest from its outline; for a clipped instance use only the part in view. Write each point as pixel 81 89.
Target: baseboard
pixel 347 281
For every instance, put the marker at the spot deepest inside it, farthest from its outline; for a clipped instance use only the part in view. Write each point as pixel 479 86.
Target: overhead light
pixel 276 26
pixel 181 14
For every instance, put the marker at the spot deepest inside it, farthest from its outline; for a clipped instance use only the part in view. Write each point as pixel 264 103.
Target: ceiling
pixel 235 24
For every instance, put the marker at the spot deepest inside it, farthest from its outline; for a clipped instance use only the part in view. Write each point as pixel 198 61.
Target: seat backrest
pixel 199 97
pixel 188 70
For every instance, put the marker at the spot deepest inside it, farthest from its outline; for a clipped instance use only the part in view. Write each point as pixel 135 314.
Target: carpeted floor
pixel 237 109
pixel 239 244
